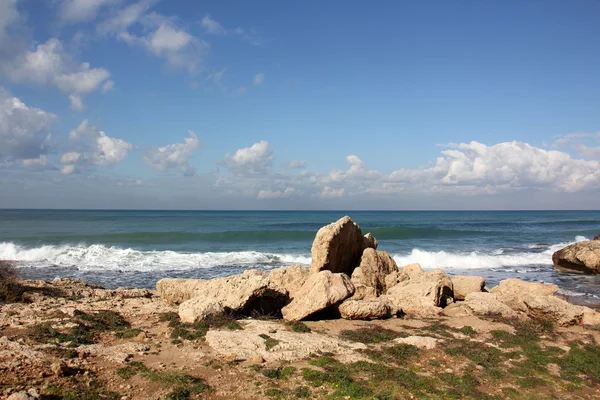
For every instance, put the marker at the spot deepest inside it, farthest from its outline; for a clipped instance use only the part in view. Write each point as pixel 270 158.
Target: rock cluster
pixel 349 277
pixel 581 257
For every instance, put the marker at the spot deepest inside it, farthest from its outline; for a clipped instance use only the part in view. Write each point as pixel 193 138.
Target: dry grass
pixel 11 291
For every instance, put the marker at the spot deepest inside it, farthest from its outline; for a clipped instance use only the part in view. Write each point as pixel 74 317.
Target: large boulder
pixel 582 257
pixel 320 291
pixel 364 309
pixel 288 279
pixel 337 247
pixel 199 308
pixel 463 285
pixel 374 267
pixel 363 292
pixel 480 304
pixel 513 292
pixel 554 309
pixel 239 293
pixel 422 295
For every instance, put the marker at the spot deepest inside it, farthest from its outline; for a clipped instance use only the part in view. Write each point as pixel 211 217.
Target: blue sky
pixel 295 105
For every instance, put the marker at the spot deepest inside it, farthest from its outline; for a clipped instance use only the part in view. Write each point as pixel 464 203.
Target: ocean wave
pixel 479 260
pixel 99 257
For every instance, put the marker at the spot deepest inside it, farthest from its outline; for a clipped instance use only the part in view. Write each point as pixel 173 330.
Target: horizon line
pixel 292 210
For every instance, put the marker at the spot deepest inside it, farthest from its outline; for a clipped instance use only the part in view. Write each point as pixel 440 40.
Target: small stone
pixel 58 368
pixel 272 330
pixel 141 338
pixel 256 359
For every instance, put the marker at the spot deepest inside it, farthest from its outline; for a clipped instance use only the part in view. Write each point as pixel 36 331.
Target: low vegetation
pixel 11 290
pixel 372 334
pixel 504 365
pixel 82 328
pixel 198 329
pixel 181 385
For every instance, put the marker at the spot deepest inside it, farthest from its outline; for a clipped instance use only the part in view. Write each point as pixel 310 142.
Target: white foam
pixel 94 257
pixel 100 257
pixel 478 260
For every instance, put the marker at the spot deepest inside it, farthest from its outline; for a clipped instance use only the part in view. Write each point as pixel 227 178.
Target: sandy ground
pixel 231 362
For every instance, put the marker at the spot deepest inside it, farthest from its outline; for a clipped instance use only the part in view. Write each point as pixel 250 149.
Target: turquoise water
pixel 136 248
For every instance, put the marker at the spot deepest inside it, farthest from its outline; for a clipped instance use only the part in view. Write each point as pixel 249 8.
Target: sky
pixel 398 105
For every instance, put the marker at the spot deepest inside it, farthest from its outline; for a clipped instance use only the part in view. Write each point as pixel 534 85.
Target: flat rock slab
pixel 247 344
pixel 421 342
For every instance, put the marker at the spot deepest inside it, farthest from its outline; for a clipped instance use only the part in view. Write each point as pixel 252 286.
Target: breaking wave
pixel 106 258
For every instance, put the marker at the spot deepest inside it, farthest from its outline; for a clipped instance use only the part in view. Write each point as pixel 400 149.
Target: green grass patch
pixel 298 327
pixel 302 392
pixel 269 341
pixel 373 334
pixel 180 382
pixel 581 363
pixel 279 373
pixel 198 329
pixel 128 333
pixel 74 389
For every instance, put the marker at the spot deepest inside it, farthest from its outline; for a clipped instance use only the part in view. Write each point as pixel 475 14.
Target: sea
pixel 137 248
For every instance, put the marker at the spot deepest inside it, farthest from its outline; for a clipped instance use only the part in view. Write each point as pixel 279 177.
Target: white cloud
pixel 36 163
pixel 259 79
pixel 67 169
pixel 23 130
pixel 296 164
pixel 82 10
pixel 70 158
pixel 48 64
pixel 255 159
pixel 8 16
pixel 331 192
pixel 174 156
pixel 276 194
pixel 95 147
pixel 125 18
pixel 108 86
pixel 585 144
pixel 161 36
pixel 213 27
pixel 509 165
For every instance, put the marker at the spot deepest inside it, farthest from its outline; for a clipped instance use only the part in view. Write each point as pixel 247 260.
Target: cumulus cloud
pixel 513 165
pixel 584 144
pixel 44 64
pixel 23 131
pixel 255 159
pixel 93 147
pixel 276 194
pixel 174 156
pixel 259 79
pixel 82 10
pixel 463 169
pixel 296 164
pixel 161 36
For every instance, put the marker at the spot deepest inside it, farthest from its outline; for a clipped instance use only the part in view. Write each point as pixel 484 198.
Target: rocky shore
pixel 352 326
